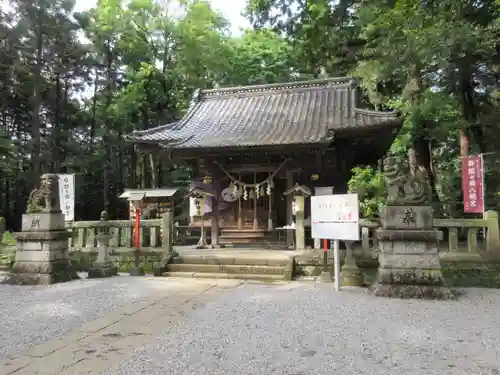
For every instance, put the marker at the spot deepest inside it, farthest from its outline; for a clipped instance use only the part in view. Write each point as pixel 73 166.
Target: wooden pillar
pixel 289 203
pixel 240 208
pixel 255 221
pixel 214 235
pixel 270 225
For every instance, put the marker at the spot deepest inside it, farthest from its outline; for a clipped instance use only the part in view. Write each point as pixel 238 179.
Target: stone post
pixel 299 193
pixel 42 247
pixel 409 264
pixel 168 240
pixel 103 266
pixel 350 275
pixel 300 233
pixel 493 232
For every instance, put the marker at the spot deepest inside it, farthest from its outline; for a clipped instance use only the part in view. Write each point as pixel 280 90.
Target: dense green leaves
pixel 72 85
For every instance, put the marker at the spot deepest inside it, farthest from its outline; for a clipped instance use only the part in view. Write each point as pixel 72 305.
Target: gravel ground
pixel 305 329
pixel 31 315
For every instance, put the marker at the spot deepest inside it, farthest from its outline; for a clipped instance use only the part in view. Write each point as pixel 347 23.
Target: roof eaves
pixel 369 112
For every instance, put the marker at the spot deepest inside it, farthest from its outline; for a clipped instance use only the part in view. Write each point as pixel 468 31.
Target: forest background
pixel 72 84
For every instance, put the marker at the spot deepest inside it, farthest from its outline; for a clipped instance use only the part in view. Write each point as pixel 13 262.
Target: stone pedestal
pixel 42 251
pixel 103 267
pixel 350 274
pixel 326 277
pixel 409 265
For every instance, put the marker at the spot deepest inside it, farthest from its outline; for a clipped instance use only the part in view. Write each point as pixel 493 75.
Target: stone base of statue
pixel 42 251
pixel 137 271
pixel 409 264
pixel 326 277
pixel 350 274
pixel 102 267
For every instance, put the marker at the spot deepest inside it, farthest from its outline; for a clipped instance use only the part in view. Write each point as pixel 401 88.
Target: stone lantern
pixel 299 193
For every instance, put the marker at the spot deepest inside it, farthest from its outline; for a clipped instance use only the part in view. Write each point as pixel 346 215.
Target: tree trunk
pixel 56 136
pixel 36 103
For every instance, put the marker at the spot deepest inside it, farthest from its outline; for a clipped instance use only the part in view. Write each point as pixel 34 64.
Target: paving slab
pixel 103 342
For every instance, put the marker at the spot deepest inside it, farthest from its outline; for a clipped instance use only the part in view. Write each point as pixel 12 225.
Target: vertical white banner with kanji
pixel 67 195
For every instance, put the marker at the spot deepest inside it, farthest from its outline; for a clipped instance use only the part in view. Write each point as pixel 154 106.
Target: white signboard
pixel 335 217
pixel 323 190
pixel 67 195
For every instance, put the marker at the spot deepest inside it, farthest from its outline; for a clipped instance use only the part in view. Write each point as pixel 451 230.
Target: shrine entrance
pixel 255 143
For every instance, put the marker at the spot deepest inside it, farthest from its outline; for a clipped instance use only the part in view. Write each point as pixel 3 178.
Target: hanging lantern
pixel 257 192
pixel 245 194
pixel 261 193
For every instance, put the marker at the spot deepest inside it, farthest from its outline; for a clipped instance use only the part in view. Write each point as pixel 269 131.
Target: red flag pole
pixel 137 227
pixel 325 255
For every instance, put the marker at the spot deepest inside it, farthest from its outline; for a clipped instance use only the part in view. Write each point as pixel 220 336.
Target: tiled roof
pixel 308 112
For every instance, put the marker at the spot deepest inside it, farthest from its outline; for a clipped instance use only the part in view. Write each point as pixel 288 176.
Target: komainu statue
pixel 406 185
pixel 46 197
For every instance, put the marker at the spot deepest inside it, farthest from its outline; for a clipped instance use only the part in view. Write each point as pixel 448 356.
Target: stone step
pixel 242 235
pixel 243 230
pixel 207 275
pixel 226 268
pixel 228 260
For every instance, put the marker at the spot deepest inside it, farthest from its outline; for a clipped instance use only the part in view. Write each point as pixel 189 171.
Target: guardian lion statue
pixel 46 197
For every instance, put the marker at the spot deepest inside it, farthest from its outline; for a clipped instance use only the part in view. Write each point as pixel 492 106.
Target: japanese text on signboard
pixel 341 210
pixel 67 195
pixel 473 183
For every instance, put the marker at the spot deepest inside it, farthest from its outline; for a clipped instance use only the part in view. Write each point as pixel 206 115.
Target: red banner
pixel 473 183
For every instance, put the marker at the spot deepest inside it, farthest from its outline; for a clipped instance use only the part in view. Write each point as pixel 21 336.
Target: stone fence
pixel 463 239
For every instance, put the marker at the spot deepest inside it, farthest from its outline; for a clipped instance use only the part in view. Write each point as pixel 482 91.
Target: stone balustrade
pixel 466 237
pixel 462 238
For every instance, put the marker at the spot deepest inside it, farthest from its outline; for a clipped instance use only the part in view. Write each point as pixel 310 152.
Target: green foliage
pixel 67 102
pixel 369 184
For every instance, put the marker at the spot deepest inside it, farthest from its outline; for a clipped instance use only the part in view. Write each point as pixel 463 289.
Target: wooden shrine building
pixel 253 143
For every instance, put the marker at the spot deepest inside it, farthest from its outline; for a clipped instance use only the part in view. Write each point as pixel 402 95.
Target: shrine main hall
pixel 250 145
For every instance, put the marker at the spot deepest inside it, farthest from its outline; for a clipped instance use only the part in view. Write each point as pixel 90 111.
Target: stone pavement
pixel 103 342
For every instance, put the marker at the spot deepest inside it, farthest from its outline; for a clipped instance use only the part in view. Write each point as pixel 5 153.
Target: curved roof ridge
pixel 321 82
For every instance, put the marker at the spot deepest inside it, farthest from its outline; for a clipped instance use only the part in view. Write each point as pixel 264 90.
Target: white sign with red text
pixel 335 217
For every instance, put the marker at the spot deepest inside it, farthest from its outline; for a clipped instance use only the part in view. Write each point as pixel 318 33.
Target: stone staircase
pixel 243 266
